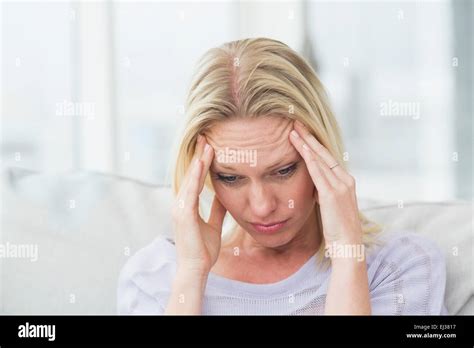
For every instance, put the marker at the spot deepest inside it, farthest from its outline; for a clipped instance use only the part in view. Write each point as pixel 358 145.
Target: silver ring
pixel 334 166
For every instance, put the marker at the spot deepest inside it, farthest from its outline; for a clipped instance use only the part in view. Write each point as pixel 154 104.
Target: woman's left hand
pixel 335 189
pixel 348 289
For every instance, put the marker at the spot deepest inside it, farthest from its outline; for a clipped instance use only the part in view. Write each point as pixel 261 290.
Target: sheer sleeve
pixel 408 277
pixel 145 280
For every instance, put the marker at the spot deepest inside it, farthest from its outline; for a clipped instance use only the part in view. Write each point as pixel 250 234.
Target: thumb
pixel 217 215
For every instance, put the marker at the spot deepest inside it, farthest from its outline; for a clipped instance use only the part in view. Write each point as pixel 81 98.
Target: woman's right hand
pixel 197 242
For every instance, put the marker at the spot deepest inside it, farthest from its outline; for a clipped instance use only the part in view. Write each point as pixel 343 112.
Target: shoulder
pixel 147 276
pixel 404 247
pixel 155 255
pixel 407 273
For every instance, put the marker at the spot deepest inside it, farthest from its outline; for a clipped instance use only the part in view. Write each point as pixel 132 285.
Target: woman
pixel 261 136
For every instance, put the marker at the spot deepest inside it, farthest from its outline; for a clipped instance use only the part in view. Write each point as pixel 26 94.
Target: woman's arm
pixel 197 242
pixel 187 293
pixel 348 291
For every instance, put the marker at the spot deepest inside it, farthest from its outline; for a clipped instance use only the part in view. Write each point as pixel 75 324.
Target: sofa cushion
pixel 84 225
pixel 449 224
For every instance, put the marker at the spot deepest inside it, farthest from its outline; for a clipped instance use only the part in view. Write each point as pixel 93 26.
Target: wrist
pixel 187 292
pixel 189 274
pixel 351 265
pixel 345 252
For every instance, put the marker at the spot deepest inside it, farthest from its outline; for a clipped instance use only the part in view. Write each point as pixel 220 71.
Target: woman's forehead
pixel 263 145
pixel 260 133
pixel 244 161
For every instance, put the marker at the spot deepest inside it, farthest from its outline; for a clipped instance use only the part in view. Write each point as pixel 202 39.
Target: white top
pixel 407 275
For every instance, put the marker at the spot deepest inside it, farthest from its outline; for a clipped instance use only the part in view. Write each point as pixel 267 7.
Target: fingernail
pixel 294 134
pixel 207 148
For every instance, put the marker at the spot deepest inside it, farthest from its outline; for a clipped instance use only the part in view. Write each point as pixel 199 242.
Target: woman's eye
pixel 285 172
pixel 231 179
pixel 234 179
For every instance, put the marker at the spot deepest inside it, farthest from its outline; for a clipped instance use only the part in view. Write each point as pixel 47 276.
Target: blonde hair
pixel 259 77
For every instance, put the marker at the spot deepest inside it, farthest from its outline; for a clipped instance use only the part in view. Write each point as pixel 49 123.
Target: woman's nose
pixel 262 201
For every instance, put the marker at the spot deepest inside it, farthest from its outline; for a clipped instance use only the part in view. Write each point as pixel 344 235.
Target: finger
pixel 188 196
pixel 310 156
pixel 314 169
pixel 322 152
pixel 190 176
pixel 217 215
pixel 207 157
pixel 204 152
pixel 332 179
pixel 191 195
pixel 314 144
pixel 197 154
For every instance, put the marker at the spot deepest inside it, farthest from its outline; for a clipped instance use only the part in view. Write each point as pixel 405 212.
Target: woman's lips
pixel 269 228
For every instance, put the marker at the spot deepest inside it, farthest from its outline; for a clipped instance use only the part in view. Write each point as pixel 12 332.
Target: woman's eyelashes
pixel 282 174
pixel 227 179
pixel 288 171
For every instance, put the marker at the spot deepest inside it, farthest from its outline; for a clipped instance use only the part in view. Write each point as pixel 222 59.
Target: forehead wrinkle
pixel 288 151
pixel 233 134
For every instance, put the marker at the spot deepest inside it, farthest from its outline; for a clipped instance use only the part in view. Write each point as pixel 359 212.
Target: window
pixel 390 69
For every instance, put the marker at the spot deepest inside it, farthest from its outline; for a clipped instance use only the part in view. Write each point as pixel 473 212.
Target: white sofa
pixel 86 224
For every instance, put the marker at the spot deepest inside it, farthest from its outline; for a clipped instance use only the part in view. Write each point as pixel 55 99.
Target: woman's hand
pixel 197 243
pixel 336 193
pixel 348 289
